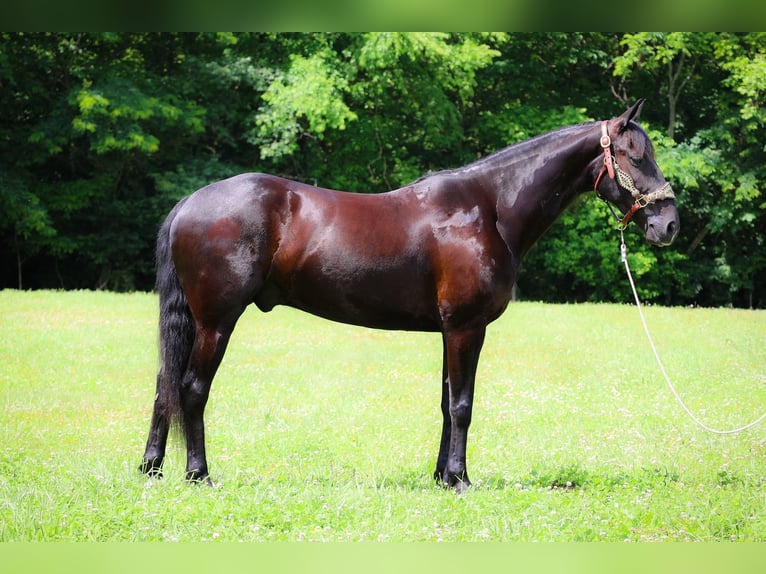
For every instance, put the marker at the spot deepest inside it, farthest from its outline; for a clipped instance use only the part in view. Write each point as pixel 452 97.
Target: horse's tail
pixel 176 326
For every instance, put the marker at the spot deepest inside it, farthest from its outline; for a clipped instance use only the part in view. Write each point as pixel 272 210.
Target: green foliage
pixel 311 92
pixel 347 104
pixel 25 217
pixel 105 131
pixel 116 114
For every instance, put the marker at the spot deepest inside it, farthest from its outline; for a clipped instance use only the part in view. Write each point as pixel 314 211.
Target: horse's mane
pixel 514 148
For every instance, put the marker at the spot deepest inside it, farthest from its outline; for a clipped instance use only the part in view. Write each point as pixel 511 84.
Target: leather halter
pixel 626 182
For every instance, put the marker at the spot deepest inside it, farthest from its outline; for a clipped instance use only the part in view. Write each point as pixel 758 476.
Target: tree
pixel 102 133
pixel 721 157
pixel 386 106
pixel 91 111
pixel 671 60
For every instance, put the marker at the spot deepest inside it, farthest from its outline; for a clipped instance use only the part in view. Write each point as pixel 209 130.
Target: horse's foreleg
pixel 441 461
pixel 462 349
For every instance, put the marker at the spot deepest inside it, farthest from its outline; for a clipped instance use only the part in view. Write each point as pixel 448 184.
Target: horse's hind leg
pixel 154 455
pixel 209 347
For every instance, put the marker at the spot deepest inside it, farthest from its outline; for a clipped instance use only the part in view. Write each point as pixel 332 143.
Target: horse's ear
pixel 631 114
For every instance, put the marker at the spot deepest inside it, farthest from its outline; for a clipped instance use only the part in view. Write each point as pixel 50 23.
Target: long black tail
pixel 176 327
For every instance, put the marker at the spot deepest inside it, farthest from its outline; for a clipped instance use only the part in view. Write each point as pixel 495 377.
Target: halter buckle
pixel 606 145
pixel 643 200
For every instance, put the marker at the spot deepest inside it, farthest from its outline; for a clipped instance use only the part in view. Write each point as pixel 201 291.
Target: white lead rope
pixel 624 255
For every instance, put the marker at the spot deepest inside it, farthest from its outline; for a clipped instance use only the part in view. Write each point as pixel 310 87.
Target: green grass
pixel 320 431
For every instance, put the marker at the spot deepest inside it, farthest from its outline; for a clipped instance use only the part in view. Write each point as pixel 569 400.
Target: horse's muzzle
pixel 662 229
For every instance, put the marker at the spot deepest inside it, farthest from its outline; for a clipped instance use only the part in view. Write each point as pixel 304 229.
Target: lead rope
pixel 624 256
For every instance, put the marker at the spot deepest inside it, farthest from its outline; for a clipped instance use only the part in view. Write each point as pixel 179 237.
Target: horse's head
pixel 631 180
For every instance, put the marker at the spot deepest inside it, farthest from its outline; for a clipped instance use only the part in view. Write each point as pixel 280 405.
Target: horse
pixel 440 255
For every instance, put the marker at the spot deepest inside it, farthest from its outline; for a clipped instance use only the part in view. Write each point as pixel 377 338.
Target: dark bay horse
pixel 439 255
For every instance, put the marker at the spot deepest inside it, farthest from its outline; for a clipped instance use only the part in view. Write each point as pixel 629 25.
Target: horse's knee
pixel 461 414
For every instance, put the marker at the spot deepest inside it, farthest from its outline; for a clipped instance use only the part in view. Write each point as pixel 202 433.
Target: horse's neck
pixel 537 179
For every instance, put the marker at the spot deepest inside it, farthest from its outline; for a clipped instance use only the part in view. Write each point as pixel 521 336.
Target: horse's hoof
pixel 195 477
pixel 462 486
pixel 459 483
pixel 151 468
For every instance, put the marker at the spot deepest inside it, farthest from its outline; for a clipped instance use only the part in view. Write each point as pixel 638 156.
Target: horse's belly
pixel 372 318
pixel 396 299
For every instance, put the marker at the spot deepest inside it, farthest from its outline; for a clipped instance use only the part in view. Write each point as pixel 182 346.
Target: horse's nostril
pixel 672 229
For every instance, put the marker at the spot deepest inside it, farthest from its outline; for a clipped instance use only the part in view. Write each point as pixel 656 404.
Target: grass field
pixel 320 431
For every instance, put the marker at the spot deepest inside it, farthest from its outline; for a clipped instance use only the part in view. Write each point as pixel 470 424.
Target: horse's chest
pixel 474 272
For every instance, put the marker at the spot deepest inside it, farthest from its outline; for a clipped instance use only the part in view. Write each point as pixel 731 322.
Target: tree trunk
pixel 18 266
pixel 698 239
pixel 19 261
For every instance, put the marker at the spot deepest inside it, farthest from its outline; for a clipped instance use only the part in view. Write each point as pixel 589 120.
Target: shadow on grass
pixel 568 478
pixel 573 477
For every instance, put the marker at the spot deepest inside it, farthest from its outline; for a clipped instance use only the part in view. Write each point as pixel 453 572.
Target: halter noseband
pixel 626 182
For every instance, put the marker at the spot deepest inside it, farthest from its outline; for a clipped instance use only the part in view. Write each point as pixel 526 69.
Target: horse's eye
pixel 636 160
